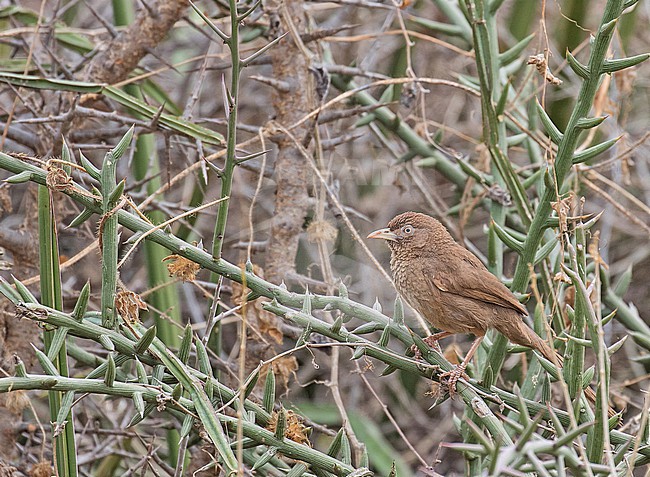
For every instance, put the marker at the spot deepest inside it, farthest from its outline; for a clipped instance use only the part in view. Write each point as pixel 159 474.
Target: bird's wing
pixel 469 278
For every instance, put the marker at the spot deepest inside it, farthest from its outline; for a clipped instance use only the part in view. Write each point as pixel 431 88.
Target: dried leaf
pixel 594 250
pixel 181 267
pixel 562 208
pixel 296 430
pixel 283 368
pixel 57 178
pixel 542 68
pixel 128 305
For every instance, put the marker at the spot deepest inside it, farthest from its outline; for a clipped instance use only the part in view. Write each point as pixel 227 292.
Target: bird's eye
pixel 407 229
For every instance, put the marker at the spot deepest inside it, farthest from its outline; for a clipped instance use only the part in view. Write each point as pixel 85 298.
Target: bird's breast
pixel 411 282
pixel 446 311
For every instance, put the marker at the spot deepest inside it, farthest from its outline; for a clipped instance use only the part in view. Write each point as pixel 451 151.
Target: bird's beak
pixel 385 234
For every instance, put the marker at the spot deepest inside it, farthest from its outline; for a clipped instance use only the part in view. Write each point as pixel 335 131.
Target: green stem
pixel 109 240
pixel 152 394
pixel 231 138
pixel 567 145
pixel 258 286
pixel 474 394
pixel 50 279
pixel 575 352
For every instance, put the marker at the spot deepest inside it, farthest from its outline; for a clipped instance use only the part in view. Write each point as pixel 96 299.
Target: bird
pixel 452 289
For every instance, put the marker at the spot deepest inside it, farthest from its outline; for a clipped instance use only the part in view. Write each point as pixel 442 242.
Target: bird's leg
pixel 458 372
pixel 432 341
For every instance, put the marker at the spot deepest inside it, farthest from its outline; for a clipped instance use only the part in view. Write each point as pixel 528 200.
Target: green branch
pixel 564 159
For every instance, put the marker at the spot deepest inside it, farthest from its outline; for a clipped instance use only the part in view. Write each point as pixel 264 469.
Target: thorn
pixel 329 144
pixel 209 22
pixel 227 99
pixel 153 124
pixel 109 27
pixel 155 54
pixel 247 61
pixel 212 167
pixel 244 15
pixel 281 86
pixel 253 155
pixel 329 116
pixel 153 13
pixel 325 32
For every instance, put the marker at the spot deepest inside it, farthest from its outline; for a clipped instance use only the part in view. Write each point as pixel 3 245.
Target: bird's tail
pixel 518 332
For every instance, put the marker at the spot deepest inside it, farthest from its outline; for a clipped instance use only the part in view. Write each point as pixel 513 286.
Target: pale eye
pixel 407 230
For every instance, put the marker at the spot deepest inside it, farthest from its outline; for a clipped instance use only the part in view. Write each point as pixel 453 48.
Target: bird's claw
pixel 432 341
pixel 417 354
pixel 450 378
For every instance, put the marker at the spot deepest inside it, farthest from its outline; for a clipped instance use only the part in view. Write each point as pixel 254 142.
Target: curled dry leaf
pixel 408 96
pixel 128 305
pixel 283 367
pixel 561 277
pixel 435 391
pixel 296 430
pixel 181 267
pixel 161 401
pixel 7 470
pixel 542 68
pixel 562 208
pixel 57 178
pixel 594 250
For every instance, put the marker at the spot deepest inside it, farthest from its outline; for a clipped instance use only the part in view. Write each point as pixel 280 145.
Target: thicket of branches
pixel 186 193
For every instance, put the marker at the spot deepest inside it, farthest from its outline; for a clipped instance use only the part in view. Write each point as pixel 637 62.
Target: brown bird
pixel 451 288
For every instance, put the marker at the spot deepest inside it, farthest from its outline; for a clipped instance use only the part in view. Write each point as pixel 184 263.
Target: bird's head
pixel 412 231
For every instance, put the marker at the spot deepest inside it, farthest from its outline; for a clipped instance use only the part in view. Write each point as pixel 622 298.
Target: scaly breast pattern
pixel 445 311
pixel 409 280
